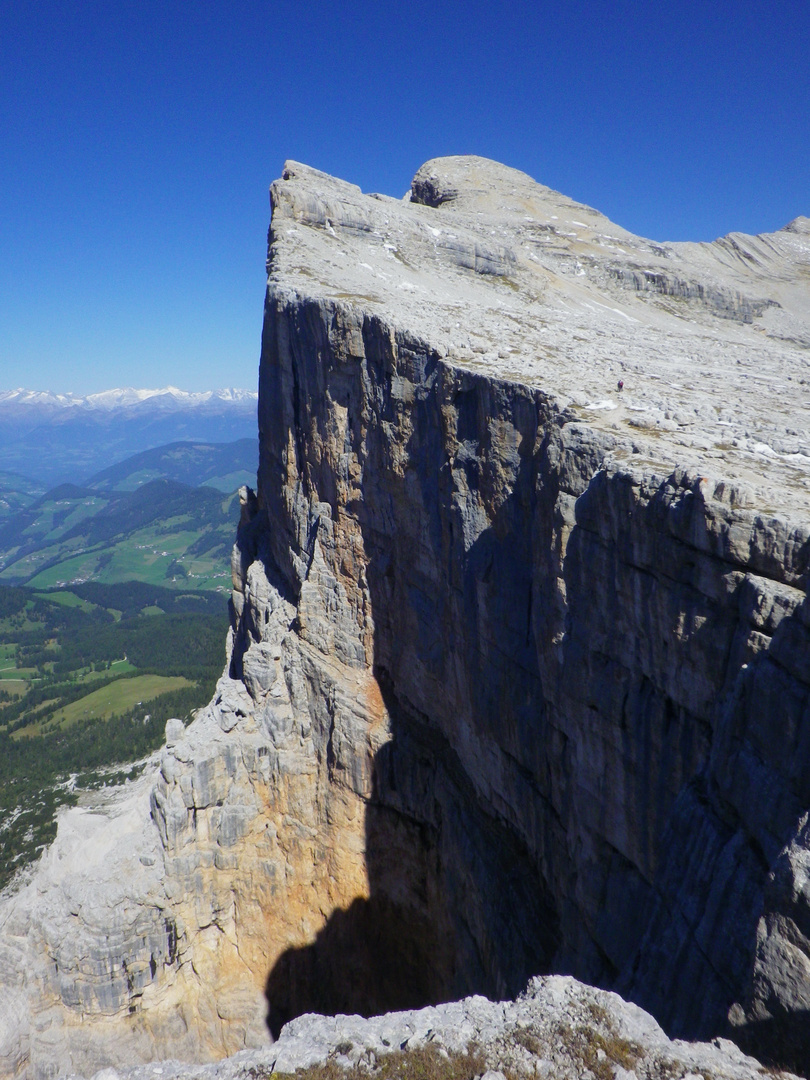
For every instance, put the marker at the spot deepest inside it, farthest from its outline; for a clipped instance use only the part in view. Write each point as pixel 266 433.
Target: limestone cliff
pixel 519 674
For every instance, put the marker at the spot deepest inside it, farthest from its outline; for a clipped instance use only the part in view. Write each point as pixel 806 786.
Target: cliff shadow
pixel 457 904
pixel 453 907
pixel 780 1043
pixel 725 782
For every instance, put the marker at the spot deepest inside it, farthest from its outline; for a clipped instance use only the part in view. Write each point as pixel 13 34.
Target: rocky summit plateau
pixel 518 679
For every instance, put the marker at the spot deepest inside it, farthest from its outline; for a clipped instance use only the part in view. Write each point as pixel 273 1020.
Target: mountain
pixel 52 438
pixel 163 532
pixel 16 492
pixel 169 397
pixel 519 672
pixel 225 466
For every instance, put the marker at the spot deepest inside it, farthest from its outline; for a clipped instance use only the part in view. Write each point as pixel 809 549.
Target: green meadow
pixel 89 676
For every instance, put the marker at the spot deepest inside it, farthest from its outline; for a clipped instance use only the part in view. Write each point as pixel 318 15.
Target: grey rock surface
pixel 519 672
pixel 558 1029
pixel 710 340
pixel 585 604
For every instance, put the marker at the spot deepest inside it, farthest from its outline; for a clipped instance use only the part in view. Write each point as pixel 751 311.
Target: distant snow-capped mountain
pixel 51 438
pixel 169 396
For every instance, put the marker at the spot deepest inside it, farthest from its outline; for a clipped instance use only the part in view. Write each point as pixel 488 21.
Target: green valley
pixel 88 677
pixel 113 615
pixel 166 516
pixel 162 533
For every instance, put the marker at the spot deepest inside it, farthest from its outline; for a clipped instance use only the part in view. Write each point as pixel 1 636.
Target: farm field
pixel 118 696
pixel 88 677
pixel 113 616
pixel 163 533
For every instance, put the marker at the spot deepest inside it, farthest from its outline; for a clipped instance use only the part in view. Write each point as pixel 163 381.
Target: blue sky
pixel 138 140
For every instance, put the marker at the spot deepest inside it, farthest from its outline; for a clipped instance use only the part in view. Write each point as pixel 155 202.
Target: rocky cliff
pixel 519 673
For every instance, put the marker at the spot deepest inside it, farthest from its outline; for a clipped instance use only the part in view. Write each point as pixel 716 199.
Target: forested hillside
pixel 88 678
pixel 16 492
pixel 164 532
pixel 113 614
pixel 224 466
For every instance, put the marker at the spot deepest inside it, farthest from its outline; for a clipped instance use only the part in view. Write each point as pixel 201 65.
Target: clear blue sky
pixel 138 139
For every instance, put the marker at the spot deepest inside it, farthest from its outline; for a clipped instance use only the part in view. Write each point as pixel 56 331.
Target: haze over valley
pixel 48 439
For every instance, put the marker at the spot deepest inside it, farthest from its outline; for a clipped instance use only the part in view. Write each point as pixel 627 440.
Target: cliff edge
pixel 519 671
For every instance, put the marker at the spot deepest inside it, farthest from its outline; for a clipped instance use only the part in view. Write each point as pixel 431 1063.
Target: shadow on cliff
pixel 728 786
pixel 382 953
pixel 457 904
pixel 780 1043
pixel 475 873
pixel 453 907
pixel 369 959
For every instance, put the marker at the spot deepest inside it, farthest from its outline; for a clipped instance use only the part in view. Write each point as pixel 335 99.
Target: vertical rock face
pixel 595 680
pixel 592 650
pixel 519 673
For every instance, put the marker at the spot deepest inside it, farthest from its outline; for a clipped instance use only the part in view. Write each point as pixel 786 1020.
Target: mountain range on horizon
pixel 121 397
pixel 52 438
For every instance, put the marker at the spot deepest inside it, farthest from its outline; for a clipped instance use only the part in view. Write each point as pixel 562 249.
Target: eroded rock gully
pixel 519 675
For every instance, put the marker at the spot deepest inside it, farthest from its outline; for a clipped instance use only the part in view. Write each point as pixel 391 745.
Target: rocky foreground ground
pixel 557 1030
